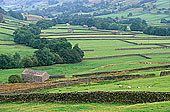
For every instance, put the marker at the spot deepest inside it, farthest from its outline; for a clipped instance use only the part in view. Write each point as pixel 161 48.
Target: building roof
pixel 34 72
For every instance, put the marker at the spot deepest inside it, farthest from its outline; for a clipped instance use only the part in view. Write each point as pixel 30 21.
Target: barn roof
pixel 33 72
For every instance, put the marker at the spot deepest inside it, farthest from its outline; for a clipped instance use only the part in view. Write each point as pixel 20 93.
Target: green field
pixel 102 48
pixel 6 37
pixel 160 84
pixel 89 107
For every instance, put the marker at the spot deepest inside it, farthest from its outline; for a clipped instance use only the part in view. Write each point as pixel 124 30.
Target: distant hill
pixel 151 10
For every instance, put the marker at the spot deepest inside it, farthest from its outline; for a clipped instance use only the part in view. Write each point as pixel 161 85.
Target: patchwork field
pixel 104 52
pixel 101 48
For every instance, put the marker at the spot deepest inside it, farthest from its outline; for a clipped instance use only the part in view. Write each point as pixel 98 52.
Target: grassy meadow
pixel 85 107
pixel 100 48
pixel 160 84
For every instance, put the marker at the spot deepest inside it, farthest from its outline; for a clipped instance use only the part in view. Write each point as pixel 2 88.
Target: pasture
pixel 160 84
pixel 95 46
pixel 85 107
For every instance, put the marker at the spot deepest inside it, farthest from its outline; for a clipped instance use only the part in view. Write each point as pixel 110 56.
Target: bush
pixel 14 79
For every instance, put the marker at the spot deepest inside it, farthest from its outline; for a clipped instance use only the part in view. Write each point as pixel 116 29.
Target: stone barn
pixel 34 76
pixel 115 32
pixel 67 24
pixel 93 28
pixel 85 26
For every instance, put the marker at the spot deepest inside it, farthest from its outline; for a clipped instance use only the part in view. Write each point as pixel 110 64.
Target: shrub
pixel 14 79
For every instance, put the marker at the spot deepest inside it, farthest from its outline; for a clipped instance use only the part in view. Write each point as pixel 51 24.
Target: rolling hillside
pixel 150 10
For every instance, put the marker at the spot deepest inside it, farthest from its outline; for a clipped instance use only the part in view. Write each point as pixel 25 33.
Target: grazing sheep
pixel 67 24
pixel 138 87
pixel 129 87
pixel 148 87
pixel 120 86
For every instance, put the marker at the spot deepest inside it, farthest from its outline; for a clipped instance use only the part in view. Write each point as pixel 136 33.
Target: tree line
pixel 100 23
pixel 55 51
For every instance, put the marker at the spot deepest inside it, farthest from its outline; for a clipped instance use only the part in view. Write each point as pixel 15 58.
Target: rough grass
pixel 91 107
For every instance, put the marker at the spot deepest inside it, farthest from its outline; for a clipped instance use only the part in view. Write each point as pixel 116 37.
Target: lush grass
pixel 160 84
pixel 7 42
pixel 6 31
pixel 107 48
pixel 85 107
pixel 117 64
pixel 22 50
pixel 101 48
pixel 6 37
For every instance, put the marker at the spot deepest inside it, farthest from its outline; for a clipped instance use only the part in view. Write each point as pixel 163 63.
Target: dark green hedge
pixel 124 97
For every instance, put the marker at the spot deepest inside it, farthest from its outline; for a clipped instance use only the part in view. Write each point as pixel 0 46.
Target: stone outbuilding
pixel 93 28
pixel 85 26
pixel 67 24
pixel 34 76
pixel 115 32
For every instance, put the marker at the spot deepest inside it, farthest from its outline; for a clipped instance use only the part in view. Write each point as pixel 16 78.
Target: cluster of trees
pixel 105 12
pixel 16 15
pixel 52 2
pixel 45 24
pixel 100 23
pixel 1 18
pixel 14 79
pixel 165 21
pixel 157 31
pixel 55 51
pixel 115 26
pixel 138 25
pixel 2 11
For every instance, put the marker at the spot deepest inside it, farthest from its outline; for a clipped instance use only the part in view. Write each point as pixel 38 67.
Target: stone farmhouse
pixel 34 76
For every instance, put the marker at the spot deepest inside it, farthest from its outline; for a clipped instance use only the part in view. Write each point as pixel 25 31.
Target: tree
pixel 138 25
pixel 130 14
pixel 5 61
pixel 76 47
pixel 23 35
pixel 70 56
pixel 1 18
pixel 27 61
pixel 45 57
pixel 14 79
pixel 16 15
